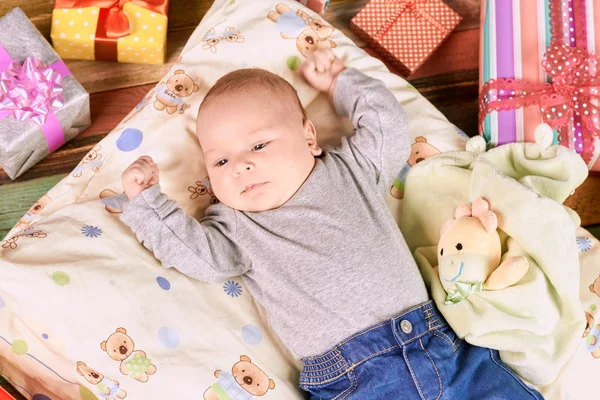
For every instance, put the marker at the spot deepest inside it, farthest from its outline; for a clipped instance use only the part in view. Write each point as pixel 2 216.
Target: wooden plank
pixel 586 200
pixel 455 95
pixel 18 197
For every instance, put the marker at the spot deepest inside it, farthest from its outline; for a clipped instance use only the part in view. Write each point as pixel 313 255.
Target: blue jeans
pixel 413 356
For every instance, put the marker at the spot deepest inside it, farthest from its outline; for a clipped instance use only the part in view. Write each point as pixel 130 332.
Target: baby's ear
pixel 310 133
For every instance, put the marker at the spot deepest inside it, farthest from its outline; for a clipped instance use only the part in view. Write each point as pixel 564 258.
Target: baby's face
pixel 258 152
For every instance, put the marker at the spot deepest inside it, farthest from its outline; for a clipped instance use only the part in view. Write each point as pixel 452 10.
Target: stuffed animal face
pixel 469 249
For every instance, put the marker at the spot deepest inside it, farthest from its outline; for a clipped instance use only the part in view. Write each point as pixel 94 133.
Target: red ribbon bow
pixel 574 89
pixel 415 7
pixel 115 22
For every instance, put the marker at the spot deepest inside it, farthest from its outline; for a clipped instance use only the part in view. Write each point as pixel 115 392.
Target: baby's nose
pixel 247 380
pixel 244 167
pixel 179 88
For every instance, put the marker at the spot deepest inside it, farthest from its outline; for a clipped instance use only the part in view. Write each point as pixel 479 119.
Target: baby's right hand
pixel 139 176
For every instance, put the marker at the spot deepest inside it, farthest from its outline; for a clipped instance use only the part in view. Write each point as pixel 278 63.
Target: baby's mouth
pixel 251 187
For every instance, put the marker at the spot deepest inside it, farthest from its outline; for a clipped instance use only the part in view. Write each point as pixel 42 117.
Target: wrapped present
pixel 127 31
pixel 538 72
pixel 315 5
pixel 405 32
pixel 41 105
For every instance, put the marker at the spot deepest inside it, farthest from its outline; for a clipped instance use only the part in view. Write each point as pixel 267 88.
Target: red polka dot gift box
pixel 127 31
pixel 405 32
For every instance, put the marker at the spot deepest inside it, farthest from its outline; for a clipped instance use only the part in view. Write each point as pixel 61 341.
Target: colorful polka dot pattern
pixel 406 37
pixel 73 33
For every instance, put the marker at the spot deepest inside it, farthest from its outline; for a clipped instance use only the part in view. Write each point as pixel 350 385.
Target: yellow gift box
pixel 127 31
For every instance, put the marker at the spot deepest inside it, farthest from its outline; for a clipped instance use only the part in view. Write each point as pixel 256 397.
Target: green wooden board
pixel 16 198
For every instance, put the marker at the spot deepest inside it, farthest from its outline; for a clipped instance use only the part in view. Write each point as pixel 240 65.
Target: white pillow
pixel 72 273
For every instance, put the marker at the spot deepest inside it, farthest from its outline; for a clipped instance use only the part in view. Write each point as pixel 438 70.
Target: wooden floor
pixel 449 80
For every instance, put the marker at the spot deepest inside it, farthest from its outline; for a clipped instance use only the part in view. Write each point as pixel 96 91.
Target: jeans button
pixel 406 326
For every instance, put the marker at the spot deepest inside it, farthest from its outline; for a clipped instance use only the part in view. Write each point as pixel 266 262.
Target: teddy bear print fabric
pixel 86 312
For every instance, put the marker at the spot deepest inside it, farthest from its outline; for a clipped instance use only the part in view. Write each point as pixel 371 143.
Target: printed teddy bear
pixel 419 151
pixel 211 38
pixel 33 211
pixel 109 388
pixel 171 95
pixel 591 334
pixel 310 34
pixel 120 347
pixel 92 159
pixel 244 382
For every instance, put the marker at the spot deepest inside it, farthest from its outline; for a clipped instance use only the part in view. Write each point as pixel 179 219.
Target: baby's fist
pixel 139 176
pixel 321 70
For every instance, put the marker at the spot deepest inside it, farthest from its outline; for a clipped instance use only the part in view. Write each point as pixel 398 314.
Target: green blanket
pixel 537 323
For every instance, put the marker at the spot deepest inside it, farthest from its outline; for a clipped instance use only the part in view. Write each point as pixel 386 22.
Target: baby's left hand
pixel 321 70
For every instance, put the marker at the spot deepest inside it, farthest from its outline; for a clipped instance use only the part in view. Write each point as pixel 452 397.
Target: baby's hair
pixel 249 79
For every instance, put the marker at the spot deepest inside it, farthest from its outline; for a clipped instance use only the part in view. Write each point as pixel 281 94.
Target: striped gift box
pixel 515 35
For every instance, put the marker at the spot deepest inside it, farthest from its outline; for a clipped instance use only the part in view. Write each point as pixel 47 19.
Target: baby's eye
pixel 259 146
pixel 220 163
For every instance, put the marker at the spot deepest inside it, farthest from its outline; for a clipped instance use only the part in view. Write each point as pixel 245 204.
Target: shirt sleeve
pixel 381 143
pixel 204 250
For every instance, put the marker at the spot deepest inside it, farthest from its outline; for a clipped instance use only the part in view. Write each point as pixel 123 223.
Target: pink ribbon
pixel 32 92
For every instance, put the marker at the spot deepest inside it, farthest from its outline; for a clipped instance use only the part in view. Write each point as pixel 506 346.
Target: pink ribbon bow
pixel 32 92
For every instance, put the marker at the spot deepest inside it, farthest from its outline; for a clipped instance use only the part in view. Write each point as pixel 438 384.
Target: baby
pixel 309 231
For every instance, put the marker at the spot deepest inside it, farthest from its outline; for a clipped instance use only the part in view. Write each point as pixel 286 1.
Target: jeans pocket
pixel 447 335
pixel 336 389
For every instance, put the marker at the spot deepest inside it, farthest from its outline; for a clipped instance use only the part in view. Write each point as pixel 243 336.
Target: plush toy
pixel 469 254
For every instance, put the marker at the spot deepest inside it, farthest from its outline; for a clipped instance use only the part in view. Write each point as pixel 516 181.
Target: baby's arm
pixel 381 145
pixel 204 250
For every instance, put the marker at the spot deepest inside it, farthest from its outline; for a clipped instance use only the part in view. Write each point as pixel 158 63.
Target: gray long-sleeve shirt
pixel 329 262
